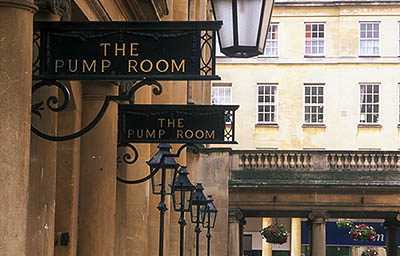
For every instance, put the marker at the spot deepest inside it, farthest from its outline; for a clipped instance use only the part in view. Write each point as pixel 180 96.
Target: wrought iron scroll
pixel 53 102
pixel 36 50
pixel 127 158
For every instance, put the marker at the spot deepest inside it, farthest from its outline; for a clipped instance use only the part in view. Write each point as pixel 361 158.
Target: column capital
pixel 391 223
pixel 59 7
pixel 235 215
pixel 318 216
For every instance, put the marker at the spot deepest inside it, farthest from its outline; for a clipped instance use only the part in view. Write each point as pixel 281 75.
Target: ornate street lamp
pixel 162 160
pixel 168 167
pixel 199 201
pixel 181 195
pixel 245 26
pixel 210 212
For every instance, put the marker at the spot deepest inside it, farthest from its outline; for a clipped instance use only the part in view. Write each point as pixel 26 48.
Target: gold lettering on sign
pixel 210 135
pixel 180 122
pixel 161 133
pixel 105 64
pixel 119 49
pixel 59 64
pixel 179 134
pixel 73 70
pixel 166 66
pixel 182 65
pixel 151 134
pixel 105 47
pixel 132 64
pixel 161 120
pixel 142 65
pixel 134 49
pixel 86 66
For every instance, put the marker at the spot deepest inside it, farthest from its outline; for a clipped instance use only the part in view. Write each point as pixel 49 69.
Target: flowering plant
pixel 362 232
pixel 370 252
pixel 344 223
pixel 275 233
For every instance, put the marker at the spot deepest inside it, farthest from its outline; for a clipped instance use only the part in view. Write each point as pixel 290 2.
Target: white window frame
pixel 398 103
pixel 222 86
pixel 275 104
pixel 398 48
pixel 305 40
pixel 272 40
pixel 379 104
pixel 310 104
pixel 360 39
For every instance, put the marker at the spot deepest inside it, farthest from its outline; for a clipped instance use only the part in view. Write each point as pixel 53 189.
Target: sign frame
pixel 214 124
pixel 200 52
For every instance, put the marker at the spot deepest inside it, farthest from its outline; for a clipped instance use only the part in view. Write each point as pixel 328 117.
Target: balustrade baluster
pixel 285 160
pixel 292 163
pixel 360 161
pixel 339 163
pixel 256 164
pixel 346 162
pixel 299 163
pixel 352 161
pixel 280 161
pixel 386 165
pixel 373 162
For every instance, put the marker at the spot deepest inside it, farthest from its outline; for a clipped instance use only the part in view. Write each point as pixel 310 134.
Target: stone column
pixel 295 237
pixel 391 236
pixel 15 102
pixel 43 164
pixel 97 185
pixel 266 247
pixel 234 235
pixel 318 231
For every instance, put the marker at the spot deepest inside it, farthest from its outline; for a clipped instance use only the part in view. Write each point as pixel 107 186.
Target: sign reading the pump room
pixel 126 50
pixel 176 124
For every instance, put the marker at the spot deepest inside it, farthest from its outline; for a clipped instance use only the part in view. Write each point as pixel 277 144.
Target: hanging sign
pixel 176 124
pixel 126 50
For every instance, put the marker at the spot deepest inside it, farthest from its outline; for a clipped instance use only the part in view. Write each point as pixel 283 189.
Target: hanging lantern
pixel 245 26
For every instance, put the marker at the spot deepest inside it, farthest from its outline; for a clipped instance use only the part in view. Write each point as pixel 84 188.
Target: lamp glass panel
pixel 194 212
pixel 265 24
pixel 249 14
pixel 213 216
pixel 223 11
pixel 169 179
pixel 186 199
pixel 156 180
pixel 178 195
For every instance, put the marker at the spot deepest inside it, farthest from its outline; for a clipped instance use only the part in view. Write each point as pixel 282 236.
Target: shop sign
pixel 176 124
pixel 126 50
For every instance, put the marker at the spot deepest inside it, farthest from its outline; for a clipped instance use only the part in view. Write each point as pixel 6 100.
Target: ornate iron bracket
pixel 129 159
pixel 53 102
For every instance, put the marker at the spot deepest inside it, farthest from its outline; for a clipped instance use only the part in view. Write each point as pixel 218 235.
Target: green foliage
pixel 275 234
pixel 362 232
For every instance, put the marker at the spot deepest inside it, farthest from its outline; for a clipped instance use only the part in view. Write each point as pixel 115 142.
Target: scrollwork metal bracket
pixel 129 159
pixel 54 106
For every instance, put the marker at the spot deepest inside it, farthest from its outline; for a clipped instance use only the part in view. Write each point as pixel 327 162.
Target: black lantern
pixel 210 212
pixel 182 191
pixel 199 200
pixel 245 26
pixel 164 179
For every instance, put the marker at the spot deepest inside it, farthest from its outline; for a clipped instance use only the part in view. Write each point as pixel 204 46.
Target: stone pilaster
pixel 235 234
pixel 391 226
pixel 97 185
pixel 318 233
pixel 15 102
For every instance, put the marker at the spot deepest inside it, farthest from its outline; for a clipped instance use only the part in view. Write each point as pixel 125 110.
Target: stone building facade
pixel 318 121
pixel 63 198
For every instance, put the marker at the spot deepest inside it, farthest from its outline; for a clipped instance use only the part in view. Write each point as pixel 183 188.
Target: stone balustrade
pixel 316 160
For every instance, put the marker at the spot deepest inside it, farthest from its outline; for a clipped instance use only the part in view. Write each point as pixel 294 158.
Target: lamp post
pixel 245 26
pixel 181 195
pixel 210 212
pixel 199 201
pixel 169 169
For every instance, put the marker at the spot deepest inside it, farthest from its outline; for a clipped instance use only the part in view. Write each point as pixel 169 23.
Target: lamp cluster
pixel 169 178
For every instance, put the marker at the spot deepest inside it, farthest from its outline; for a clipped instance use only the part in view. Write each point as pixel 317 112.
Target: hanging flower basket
pixel 275 234
pixel 344 223
pixel 362 232
pixel 370 252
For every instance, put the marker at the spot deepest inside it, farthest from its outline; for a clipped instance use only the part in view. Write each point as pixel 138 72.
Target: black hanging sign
pixel 177 123
pixel 168 50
